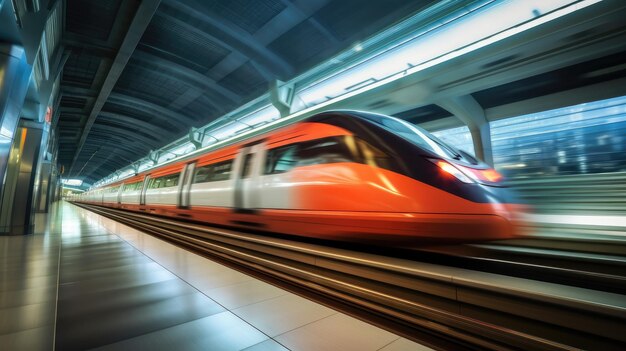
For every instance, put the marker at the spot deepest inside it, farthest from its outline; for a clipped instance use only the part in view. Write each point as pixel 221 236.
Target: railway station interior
pixel 313 175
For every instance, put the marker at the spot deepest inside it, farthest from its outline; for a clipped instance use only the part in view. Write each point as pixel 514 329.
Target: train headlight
pixel 449 170
pixel 486 176
pixel 469 175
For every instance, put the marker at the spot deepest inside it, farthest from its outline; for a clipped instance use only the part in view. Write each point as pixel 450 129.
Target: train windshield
pixel 420 137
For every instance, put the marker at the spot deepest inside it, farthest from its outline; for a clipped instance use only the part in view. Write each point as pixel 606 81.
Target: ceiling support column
pixel 154 157
pixel 14 77
pixel 195 138
pixel 469 111
pixel 17 205
pixel 281 96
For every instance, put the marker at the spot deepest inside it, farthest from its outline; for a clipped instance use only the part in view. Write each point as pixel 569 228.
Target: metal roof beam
pixel 90 46
pixel 131 135
pixel 98 174
pixel 109 150
pixel 66 110
pixel 113 159
pixel 236 39
pixel 68 90
pixel 143 105
pixel 121 144
pixel 189 75
pixel 295 12
pixel 153 128
pixel 140 22
pixel 291 16
pixel 109 159
pixel 110 162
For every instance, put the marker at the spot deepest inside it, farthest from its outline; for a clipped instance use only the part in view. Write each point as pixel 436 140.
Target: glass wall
pixel 458 137
pixel 586 138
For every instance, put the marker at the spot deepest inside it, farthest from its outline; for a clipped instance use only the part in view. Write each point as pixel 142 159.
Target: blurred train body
pixel 341 175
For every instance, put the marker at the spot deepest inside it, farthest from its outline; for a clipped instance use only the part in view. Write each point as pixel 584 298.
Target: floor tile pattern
pixel 84 281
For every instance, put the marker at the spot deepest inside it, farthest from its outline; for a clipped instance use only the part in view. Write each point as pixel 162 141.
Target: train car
pixel 343 175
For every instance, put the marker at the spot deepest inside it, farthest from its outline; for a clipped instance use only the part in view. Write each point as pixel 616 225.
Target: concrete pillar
pixel 14 78
pixel 44 172
pixel 468 110
pixel 55 184
pixel 42 197
pixel 17 205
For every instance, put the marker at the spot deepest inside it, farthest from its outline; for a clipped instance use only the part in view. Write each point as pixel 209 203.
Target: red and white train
pixel 342 175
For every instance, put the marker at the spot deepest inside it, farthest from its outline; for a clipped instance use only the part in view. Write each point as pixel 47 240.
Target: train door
pixel 119 194
pixel 142 194
pixel 184 187
pixel 247 177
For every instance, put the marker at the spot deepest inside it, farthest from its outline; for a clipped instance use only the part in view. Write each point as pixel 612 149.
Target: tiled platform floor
pixel 88 282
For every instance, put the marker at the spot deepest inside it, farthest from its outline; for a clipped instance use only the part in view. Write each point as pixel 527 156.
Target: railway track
pixel 586 270
pixel 442 306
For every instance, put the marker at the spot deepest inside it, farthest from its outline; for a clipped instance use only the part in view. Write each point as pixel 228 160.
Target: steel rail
pixel 592 271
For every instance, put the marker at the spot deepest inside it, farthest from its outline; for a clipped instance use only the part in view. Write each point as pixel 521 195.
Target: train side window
pixel 325 150
pixel 214 172
pixel 372 156
pixel 203 174
pixel 171 180
pixel 221 171
pixel 155 183
pixel 281 159
pixel 133 186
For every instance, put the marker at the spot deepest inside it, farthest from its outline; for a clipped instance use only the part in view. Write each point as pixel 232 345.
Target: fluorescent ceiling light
pixel 475 29
pixel 72 182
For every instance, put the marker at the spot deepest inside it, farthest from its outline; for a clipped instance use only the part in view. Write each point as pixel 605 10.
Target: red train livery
pixel 343 175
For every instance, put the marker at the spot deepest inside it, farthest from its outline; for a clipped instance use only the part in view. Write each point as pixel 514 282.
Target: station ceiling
pixel 139 74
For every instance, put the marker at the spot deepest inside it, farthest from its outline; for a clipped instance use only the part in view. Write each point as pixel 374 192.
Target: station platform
pixel 84 281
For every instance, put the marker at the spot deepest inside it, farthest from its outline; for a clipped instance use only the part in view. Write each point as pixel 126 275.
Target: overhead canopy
pixel 139 74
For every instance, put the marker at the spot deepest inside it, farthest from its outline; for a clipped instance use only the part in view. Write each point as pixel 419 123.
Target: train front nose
pixel 506 204
pixel 497 210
